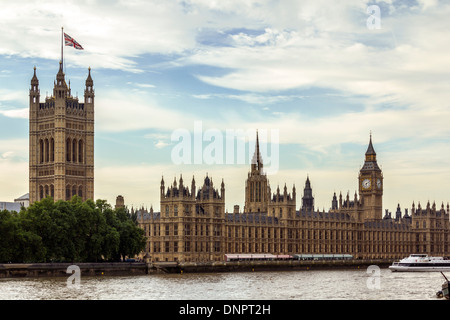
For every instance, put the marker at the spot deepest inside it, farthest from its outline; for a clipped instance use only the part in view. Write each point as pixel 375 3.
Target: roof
pixel 26 196
pixel 370 149
pixel 145 215
pixel 251 217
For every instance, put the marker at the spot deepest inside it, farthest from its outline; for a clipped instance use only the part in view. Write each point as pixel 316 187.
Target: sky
pixel 182 86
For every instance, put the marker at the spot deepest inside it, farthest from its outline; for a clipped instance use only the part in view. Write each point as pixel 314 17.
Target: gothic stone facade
pixel 195 227
pixel 61 137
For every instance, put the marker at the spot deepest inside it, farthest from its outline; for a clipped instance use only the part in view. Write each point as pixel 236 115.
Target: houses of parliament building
pixel 193 225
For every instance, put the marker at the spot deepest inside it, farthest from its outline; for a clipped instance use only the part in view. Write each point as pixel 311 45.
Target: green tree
pixel 132 239
pixel 73 231
pixel 17 244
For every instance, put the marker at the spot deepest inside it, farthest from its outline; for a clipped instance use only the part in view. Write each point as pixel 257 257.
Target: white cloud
pixel 22 113
pixel 161 144
pixel 125 30
pixel 117 111
pixel 251 97
pixel 13 168
pixel 268 52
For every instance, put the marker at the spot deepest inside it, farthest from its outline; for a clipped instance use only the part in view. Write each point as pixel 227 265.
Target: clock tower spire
pixel 371 185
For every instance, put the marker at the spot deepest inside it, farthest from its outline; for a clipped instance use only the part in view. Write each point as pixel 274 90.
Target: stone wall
pixel 12 270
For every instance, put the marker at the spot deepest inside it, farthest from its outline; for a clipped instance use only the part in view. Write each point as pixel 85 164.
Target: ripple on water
pixel 286 285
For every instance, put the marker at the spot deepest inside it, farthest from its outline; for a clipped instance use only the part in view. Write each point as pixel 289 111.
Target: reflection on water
pixel 286 285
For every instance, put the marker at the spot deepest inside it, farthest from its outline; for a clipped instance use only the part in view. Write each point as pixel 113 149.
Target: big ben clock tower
pixel 371 185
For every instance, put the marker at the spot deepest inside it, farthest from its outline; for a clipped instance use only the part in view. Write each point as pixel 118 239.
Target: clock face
pixel 379 183
pixel 366 184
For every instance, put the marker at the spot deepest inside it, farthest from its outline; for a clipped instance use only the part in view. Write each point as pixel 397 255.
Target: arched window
pixel 80 151
pixel 52 149
pixel 74 190
pixel 52 191
pixel 41 192
pixel 80 191
pixel 47 191
pixel 46 150
pixel 41 151
pixel 68 147
pixel 67 192
pixel 74 150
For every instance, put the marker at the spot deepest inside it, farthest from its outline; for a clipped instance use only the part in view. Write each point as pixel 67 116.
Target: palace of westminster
pixel 193 224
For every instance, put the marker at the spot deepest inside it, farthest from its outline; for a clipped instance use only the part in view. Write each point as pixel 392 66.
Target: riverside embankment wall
pixel 33 270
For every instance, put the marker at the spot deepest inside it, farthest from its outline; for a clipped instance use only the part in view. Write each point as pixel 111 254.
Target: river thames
pixel 354 284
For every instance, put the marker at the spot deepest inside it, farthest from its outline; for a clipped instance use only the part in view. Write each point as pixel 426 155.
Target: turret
pixel 162 187
pixel 89 90
pixel 60 89
pixel 34 93
pixel 334 202
pixel 193 187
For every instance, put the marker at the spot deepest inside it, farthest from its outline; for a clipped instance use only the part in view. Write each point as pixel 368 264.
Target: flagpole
pixel 62 40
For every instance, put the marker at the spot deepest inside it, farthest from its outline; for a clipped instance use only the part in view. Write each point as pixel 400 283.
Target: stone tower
pixel 307 199
pixel 371 186
pixel 61 138
pixel 257 190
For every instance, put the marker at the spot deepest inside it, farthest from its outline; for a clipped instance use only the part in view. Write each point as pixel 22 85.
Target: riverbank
pixel 34 270
pixel 249 266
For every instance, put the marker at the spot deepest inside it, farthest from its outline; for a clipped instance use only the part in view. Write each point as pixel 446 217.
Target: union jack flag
pixel 69 41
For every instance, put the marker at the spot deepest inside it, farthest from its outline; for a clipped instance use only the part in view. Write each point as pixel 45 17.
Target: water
pixel 279 285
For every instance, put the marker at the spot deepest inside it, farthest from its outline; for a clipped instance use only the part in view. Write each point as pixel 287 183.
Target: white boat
pixel 421 262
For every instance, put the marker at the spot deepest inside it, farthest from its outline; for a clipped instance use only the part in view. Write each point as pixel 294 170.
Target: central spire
pixel 257 159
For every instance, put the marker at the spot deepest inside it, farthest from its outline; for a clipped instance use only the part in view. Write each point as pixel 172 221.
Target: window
pixel 41 151
pixel 80 151
pixel 68 145
pixel 74 150
pixel 52 150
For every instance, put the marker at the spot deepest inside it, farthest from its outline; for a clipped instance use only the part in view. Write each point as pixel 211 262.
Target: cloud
pixel 269 54
pixel 8 98
pixel 127 29
pixel 161 144
pixel 13 168
pixel 252 98
pixel 117 111
pixel 22 113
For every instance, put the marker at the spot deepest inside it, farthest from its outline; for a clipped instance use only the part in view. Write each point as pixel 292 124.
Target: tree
pixel 69 231
pixel 132 239
pixel 17 244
